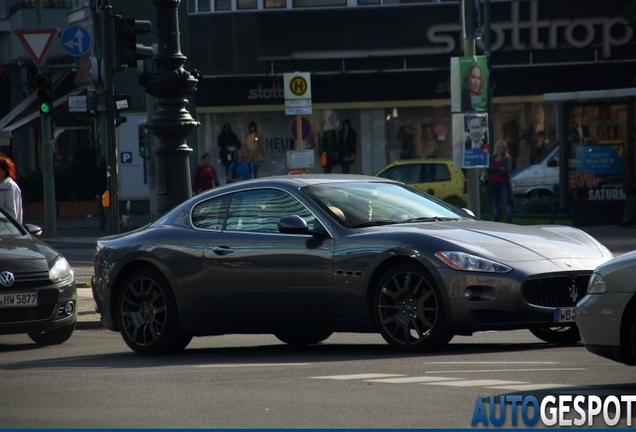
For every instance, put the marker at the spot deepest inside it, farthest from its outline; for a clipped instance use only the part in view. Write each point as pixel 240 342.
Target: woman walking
pixel 499 181
pixel 10 194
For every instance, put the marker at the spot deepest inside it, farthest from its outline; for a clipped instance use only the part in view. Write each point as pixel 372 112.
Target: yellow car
pixel 438 177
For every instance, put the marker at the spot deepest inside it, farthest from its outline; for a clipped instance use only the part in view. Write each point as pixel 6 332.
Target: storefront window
pixel 597 152
pixel 192 6
pixel 204 5
pixel 222 5
pixel 247 4
pixel 319 3
pixel 275 4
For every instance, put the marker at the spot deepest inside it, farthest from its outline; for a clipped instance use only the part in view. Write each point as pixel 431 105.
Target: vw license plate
pixel 18 300
pixel 565 315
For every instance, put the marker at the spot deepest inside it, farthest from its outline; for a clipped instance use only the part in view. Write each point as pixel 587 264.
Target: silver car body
pixel 540 179
pixel 607 321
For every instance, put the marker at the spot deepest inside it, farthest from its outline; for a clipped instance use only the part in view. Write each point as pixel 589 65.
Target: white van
pixel 538 180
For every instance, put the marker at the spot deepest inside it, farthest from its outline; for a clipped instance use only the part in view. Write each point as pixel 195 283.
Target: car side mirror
pixel 33 229
pixel 468 211
pixel 293 224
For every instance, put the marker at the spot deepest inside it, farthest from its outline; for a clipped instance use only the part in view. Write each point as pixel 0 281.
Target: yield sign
pixel 37 42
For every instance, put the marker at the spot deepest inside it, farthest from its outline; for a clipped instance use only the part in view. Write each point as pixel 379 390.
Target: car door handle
pixel 222 250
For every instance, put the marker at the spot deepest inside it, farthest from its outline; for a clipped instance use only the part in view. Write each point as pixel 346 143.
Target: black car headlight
pixel 467 262
pixel 596 285
pixel 60 271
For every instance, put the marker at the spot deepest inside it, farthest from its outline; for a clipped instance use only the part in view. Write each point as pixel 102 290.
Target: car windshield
pixel 7 227
pixel 358 204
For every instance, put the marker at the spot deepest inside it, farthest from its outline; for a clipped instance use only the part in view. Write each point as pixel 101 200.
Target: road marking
pixel 251 365
pixel 413 380
pixel 357 376
pixel 528 387
pixel 474 383
pixel 507 370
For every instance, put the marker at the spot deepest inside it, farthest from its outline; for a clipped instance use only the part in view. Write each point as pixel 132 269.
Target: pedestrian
pixel 204 176
pixel 228 144
pixel 329 149
pixel 241 169
pixel 499 181
pixel 10 193
pixel 253 145
pixel 347 142
pixel 100 182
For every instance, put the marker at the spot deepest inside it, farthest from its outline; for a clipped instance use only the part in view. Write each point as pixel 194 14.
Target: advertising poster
pixel 597 143
pixel 474 144
pixel 469 84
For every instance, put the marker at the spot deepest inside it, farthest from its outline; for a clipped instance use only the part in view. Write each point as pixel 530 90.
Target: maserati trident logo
pixel 574 291
pixel 6 278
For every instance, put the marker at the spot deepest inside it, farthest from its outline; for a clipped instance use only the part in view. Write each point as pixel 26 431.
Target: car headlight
pixel 468 262
pixel 596 285
pixel 60 270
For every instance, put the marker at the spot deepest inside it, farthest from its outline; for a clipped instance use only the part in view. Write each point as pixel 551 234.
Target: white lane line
pixel 356 376
pixel 494 363
pixel 67 368
pixel 528 387
pixel 251 365
pixel 474 383
pixel 413 380
pixel 507 370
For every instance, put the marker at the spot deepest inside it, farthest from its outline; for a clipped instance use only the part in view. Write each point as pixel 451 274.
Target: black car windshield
pixel 7 227
pixel 358 204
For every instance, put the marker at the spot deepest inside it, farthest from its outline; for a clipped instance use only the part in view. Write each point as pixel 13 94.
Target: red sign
pixel 37 42
pixel 306 126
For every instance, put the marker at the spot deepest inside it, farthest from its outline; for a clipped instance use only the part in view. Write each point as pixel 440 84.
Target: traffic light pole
pixel 111 154
pixel 48 176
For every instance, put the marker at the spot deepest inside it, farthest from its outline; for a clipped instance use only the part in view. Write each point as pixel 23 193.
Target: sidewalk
pixel 83 233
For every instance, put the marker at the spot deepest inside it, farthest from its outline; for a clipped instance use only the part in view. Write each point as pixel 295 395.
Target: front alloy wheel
pixel 408 310
pixel 148 318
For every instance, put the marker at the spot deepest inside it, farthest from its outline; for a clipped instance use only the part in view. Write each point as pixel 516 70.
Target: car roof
pixel 312 179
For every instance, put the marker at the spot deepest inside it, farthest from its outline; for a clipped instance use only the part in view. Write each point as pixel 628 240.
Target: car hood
pixel 515 243
pixel 24 254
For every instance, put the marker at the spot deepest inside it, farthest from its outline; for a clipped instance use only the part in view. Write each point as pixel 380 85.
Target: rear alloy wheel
pixel 53 337
pixel 558 335
pixel 147 314
pixel 408 310
pixel 303 338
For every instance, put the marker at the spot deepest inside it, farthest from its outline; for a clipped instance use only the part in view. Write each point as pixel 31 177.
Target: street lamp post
pixel 171 123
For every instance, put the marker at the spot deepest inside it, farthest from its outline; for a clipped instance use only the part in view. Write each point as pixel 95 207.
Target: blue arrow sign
pixel 76 41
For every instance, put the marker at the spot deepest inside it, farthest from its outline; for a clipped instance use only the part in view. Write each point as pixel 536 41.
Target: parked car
pixel 538 180
pixel 302 257
pixel 438 177
pixel 38 295
pixel 606 316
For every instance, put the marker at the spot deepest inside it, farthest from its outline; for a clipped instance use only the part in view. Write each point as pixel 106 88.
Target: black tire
pixel 147 315
pixel 53 337
pixel 558 335
pixel 408 310
pixel 303 338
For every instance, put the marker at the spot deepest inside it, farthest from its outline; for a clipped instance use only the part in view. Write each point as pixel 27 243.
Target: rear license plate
pixel 18 300
pixel 565 315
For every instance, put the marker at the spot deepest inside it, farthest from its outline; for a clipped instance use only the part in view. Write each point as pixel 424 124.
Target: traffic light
pixel 126 31
pixel 45 94
pixel 91 103
pixel 143 140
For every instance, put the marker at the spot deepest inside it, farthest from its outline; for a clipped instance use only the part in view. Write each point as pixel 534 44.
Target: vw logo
pixel 6 278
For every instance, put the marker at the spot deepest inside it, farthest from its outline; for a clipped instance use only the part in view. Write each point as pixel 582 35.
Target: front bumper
pixel 51 312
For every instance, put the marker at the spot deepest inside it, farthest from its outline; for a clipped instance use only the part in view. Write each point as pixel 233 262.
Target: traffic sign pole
pixel 299 134
pixel 48 176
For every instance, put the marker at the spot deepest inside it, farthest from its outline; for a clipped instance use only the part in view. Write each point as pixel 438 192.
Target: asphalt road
pixel 246 381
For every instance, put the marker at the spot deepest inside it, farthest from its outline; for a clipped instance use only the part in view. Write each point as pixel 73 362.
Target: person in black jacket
pixel 229 145
pixel 347 142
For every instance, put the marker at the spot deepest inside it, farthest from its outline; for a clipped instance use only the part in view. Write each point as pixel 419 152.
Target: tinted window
pixel 210 214
pixel 436 173
pixel 404 174
pixel 260 210
pixel 7 227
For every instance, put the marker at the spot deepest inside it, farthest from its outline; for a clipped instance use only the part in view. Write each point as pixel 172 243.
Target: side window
pixel 210 214
pixel 440 173
pixel 260 210
pixel 405 174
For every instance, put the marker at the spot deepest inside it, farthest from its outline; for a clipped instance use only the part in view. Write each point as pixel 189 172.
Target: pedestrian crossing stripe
pixel 442 381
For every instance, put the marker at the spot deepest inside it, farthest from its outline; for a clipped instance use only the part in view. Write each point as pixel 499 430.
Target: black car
pixel 303 256
pixel 38 295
